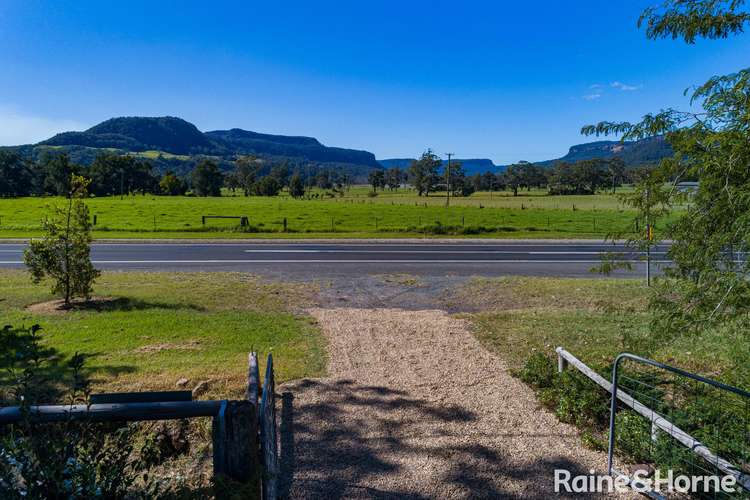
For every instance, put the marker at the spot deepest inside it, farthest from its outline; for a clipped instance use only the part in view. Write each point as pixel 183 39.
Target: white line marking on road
pixel 589 253
pixel 437 252
pixel 352 261
pixel 293 250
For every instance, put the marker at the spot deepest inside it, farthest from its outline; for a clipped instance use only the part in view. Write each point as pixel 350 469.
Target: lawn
pixel 354 215
pixel 165 326
pixel 595 319
pixel 526 318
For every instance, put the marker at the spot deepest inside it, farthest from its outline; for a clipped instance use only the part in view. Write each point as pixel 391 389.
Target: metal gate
pixel 673 420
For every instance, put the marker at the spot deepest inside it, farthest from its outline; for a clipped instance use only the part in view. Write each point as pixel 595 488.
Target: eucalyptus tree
pixel 424 173
pixel 707 286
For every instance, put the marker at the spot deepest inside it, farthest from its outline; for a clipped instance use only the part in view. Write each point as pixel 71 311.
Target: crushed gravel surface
pixel 414 407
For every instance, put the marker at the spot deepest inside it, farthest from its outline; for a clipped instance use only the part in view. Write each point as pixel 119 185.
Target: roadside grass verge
pixel 391 214
pixel 161 327
pixel 595 319
pixel 524 319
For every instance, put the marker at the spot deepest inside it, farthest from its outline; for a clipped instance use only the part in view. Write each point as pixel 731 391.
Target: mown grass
pixel 526 199
pixel 165 326
pixel 355 215
pixel 595 319
pixel 525 319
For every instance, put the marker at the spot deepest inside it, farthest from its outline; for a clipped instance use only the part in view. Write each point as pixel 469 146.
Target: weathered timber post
pixel 269 450
pixel 235 441
pixel 562 363
pixel 253 379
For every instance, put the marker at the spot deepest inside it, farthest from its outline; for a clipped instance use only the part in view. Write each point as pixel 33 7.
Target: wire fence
pixel 667 422
pixel 666 419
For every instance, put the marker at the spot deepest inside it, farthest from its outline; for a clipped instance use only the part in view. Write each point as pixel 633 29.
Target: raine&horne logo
pixel 566 482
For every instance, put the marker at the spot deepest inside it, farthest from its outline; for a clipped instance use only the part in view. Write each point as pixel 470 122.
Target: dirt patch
pixel 414 407
pixel 402 279
pixel 57 306
pixel 193 345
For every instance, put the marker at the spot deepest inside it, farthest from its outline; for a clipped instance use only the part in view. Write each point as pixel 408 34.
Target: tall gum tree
pixel 707 287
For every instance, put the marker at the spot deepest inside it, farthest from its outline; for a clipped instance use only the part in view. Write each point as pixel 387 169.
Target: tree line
pixel 112 174
pixel 429 174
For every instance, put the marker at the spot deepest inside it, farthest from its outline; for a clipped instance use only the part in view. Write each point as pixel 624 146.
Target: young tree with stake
pixel 63 254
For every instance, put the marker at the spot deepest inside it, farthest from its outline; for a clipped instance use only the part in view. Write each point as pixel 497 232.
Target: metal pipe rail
pixel 133 412
pixel 657 420
pixel 234 426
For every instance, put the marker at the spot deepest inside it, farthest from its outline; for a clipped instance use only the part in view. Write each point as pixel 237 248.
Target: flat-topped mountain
pixel 633 153
pixel 178 137
pixel 470 165
pixel 173 143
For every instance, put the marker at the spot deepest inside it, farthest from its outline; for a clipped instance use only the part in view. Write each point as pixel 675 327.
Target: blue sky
pixel 497 79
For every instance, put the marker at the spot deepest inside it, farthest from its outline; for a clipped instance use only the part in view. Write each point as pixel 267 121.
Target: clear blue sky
pixel 497 79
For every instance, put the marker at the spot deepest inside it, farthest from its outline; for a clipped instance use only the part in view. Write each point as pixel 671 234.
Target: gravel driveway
pixel 414 407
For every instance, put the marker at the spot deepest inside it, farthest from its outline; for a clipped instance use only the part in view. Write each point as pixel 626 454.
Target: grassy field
pixel 526 318
pixel 354 215
pixel 595 319
pixel 161 327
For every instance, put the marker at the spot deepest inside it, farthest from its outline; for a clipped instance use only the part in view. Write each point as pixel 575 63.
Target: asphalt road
pixel 316 260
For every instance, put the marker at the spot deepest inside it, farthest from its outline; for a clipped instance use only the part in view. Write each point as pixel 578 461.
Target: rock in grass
pixel 646 470
pixel 182 382
pixel 200 388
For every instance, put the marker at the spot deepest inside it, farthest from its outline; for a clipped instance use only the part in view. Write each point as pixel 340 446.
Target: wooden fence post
pixel 269 449
pixel 235 441
pixel 562 363
pixel 253 379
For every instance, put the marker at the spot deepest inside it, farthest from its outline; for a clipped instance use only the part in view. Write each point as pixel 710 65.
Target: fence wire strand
pixel 715 417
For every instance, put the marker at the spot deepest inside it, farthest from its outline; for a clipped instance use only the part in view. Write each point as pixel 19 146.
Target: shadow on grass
pixel 40 374
pixel 132 304
pixel 110 304
pixel 361 441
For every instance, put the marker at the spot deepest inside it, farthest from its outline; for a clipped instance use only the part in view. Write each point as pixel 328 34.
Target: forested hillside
pixel 634 153
pixel 173 143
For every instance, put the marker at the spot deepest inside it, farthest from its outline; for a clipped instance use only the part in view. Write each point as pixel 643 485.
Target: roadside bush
pixel 633 436
pixel 580 401
pixel 538 372
pixel 572 396
pixel 71 459
pixel 63 254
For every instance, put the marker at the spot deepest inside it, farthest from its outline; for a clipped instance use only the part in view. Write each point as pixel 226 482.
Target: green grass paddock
pixel 161 327
pixel 356 215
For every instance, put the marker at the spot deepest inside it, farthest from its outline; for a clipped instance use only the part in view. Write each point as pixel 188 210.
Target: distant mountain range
pixel 178 137
pixel 173 143
pixel 633 153
pixel 471 166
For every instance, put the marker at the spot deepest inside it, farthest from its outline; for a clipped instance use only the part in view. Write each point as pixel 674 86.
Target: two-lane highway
pixel 491 258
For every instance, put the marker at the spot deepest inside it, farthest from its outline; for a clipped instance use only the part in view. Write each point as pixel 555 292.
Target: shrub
pixel 539 371
pixel 580 401
pixel 633 436
pixel 573 397
pixel 71 459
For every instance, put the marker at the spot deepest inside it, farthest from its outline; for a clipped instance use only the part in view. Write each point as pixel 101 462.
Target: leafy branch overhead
pixel 691 19
pixel 706 286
